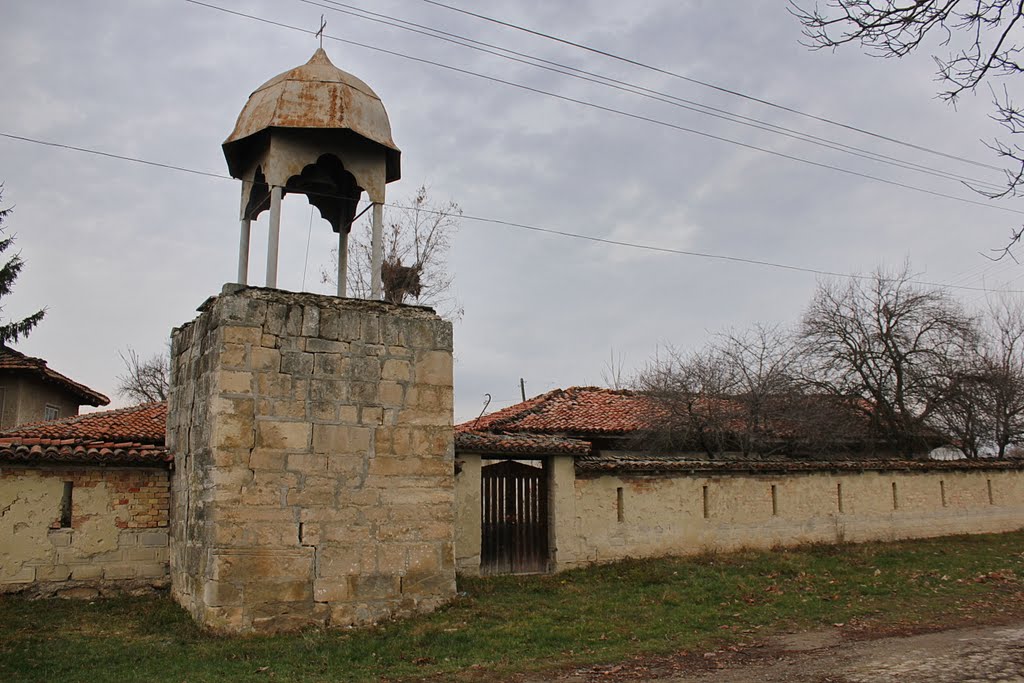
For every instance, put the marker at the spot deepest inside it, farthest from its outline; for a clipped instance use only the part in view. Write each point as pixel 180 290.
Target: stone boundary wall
pixel 313 448
pixel 117 541
pixel 680 514
pixel 690 512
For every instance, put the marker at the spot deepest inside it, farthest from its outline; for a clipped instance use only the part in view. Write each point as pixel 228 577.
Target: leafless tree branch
pixel 416 245
pixel 143 381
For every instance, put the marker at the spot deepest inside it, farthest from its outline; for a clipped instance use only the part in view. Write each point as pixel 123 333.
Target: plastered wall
pixel 467 513
pixel 25 400
pixel 117 540
pixel 690 513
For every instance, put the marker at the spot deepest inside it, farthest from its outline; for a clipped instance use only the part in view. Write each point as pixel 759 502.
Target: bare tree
pixel 984 43
pixel 143 381
pixel 888 343
pixel 1004 365
pixel 761 362
pixel 743 393
pixel 415 265
pixel 690 401
pixel 613 374
pixel 967 411
pixel 13 330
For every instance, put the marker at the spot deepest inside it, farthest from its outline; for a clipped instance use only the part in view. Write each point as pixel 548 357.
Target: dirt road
pixel 967 655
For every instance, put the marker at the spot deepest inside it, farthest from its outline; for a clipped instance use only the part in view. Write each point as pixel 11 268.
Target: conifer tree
pixel 12 331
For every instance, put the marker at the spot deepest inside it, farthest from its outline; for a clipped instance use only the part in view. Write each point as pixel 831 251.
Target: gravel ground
pixel 963 655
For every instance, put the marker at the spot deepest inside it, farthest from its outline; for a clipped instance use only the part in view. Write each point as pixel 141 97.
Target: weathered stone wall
pixel 313 461
pixel 690 513
pixel 117 540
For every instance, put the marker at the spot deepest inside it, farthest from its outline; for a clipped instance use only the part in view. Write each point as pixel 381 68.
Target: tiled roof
pixel 129 436
pixel 520 444
pixel 618 462
pixel 15 361
pixel 576 410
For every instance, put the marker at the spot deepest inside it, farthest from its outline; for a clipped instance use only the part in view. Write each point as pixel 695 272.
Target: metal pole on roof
pixel 522 388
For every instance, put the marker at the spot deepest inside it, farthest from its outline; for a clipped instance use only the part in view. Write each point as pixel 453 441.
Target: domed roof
pixel 316 95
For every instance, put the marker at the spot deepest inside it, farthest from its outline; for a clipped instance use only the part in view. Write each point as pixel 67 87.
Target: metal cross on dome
pixel 320 34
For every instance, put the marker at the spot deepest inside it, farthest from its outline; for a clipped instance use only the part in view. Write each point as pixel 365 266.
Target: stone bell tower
pixel 312 435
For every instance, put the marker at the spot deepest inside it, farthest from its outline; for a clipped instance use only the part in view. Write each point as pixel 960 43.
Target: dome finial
pixel 320 34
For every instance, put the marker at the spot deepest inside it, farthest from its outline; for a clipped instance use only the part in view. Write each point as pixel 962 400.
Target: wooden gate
pixel 514 519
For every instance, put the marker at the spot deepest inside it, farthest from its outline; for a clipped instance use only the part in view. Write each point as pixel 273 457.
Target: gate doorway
pixel 514 521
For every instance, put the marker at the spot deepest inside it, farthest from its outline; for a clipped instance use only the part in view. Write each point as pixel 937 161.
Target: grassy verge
pixel 519 624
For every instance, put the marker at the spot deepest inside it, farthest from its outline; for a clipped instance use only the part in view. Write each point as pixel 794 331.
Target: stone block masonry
pixel 314 470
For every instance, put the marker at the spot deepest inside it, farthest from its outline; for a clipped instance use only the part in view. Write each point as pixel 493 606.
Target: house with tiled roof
pixel 32 391
pixel 85 503
pixel 560 480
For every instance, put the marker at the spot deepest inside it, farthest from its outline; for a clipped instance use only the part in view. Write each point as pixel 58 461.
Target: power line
pixel 705 84
pixel 114 156
pixel 709 255
pixel 632 88
pixel 522 226
pixel 638 117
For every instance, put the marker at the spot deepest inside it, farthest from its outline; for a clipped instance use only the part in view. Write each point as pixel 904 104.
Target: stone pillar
pixel 377 250
pixel 314 470
pixel 274 235
pixel 468 502
pixel 343 263
pixel 563 523
pixel 243 251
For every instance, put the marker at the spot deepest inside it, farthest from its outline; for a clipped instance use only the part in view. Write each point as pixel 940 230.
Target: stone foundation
pixel 313 478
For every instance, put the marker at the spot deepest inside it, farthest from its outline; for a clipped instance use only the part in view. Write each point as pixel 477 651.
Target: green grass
pixel 514 624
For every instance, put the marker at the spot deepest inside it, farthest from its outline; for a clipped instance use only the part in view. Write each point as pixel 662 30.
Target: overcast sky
pixel 120 253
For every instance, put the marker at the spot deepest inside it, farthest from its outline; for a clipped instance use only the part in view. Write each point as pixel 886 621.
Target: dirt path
pixel 966 655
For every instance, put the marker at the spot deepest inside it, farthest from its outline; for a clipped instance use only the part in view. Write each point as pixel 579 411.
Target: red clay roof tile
pixel 128 435
pixel 520 444
pixel 576 410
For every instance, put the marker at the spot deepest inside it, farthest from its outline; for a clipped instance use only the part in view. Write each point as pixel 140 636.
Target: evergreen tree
pixel 13 330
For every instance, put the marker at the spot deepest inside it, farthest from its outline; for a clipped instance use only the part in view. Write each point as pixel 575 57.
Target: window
pixel 65 505
pixel 51 412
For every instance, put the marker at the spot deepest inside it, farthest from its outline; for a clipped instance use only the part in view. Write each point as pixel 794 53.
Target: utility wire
pixel 309 237
pixel 114 156
pixel 632 88
pixel 524 226
pixel 719 88
pixel 638 117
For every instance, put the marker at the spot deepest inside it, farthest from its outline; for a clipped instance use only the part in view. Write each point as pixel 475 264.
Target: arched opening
pixel 259 196
pixel 330 188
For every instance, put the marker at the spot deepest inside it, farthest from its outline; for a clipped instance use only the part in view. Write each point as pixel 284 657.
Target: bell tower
pixel 312 435
pixel 321 132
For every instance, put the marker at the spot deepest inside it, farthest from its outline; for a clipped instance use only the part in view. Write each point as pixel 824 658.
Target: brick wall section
pixel 313 449
pixel 118 539
pixel 142 500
